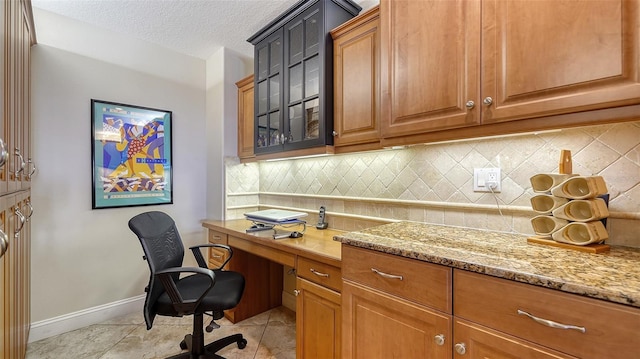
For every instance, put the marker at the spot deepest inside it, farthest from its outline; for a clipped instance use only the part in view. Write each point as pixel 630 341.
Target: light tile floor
pixel 269 335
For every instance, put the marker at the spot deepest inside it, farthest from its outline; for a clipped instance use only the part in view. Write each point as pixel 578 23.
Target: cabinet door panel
pixel 245 117
pixel 356 83
pixel 318 321
pixel 482 342
pixel 376 325
pixel 432 67
pixel 550 57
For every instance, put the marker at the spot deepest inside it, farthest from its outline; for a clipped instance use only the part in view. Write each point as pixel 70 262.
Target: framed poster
pixel 131 155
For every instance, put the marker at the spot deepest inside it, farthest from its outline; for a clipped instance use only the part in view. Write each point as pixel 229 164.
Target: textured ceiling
pixel 193 27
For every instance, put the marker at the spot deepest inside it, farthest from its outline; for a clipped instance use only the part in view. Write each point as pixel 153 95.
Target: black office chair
pixel 204 290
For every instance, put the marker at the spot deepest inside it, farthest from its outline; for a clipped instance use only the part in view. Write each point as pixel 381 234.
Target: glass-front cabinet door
pixel 293 85
pixel 268 93
pixel 303 46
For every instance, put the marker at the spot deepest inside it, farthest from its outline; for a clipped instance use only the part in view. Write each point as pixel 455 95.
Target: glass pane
pixel 295 83
pixel 262 131
pixel 276 56
pixel 312 123
pixel 274 128
pixel 262 97
pixel 263 65
pixel 312 34
pixel 295 124
pixel 274 92
pixel 295 44
pixel 311 77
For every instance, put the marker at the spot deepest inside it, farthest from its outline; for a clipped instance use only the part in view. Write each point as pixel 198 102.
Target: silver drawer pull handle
pixel 552 324
pixel 215 256
pixel 383 274
pixel 319 274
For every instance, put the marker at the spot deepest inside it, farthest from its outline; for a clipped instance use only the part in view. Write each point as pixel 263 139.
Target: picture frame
pixel 131 155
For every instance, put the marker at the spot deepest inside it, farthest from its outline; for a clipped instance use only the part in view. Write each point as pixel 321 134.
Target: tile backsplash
pixel 433 183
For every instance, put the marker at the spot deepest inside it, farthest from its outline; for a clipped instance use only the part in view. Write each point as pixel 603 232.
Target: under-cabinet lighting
pixel 298 157
pixel 495 136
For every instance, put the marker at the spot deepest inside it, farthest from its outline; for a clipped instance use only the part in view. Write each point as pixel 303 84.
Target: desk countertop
pixel 314 244
pixel 613 276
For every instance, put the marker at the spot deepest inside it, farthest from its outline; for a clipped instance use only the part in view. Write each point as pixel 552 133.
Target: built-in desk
pixel 261 258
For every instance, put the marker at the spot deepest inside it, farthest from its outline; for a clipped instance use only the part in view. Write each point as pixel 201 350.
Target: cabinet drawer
pixel 217 256
pixel 217 237
pixel 425 283
pixel 320 273
pixel 610 330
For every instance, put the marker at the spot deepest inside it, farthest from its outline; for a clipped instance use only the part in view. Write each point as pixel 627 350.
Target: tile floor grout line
pixel 135 327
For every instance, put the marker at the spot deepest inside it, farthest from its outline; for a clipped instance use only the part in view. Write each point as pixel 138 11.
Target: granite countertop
pixel 612 276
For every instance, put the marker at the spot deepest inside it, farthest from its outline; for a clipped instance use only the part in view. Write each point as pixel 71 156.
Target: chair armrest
pixel 184 306
pixel 200 258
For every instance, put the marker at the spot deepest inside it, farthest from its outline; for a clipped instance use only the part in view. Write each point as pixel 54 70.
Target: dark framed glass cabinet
pixel 293 81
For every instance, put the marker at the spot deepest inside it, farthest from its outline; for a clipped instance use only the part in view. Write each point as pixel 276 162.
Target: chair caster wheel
pixel 242 344
pixel 183 345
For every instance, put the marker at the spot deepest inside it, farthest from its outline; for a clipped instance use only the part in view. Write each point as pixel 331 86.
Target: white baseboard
pixel 72 321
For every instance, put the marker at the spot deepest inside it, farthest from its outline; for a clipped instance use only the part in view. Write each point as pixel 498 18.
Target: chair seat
pixel 225 294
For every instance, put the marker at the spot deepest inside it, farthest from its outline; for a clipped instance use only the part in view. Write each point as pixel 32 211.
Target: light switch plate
pixel 486 179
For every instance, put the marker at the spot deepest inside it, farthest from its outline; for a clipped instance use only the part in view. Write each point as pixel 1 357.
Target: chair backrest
pixel 162 248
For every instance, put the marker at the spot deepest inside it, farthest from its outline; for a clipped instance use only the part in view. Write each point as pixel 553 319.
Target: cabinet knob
pixel 439 339
pixel 487 101
pixel 22 219
pixel 22 163
pixel 334 133
pixel 296 292
pixel 4 155
pixel 4 243
pixel 460 348
pixel 470 104
pixel 33 168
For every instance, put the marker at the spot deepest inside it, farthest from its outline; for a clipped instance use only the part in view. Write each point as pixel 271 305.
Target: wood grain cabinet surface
pixel 459 64
pixel 388 307
pixel 318 321
pixel 356 94
pixel 245 118
pixel 582 327
pixel 16 19
pixel 485 317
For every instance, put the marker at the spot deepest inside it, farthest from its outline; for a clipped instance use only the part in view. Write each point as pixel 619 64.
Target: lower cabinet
pixel 15 275
pixel 318 309
pixel 318 320
pixel 582 327
pixel 475 341
pixel 490 317
pixel 377 325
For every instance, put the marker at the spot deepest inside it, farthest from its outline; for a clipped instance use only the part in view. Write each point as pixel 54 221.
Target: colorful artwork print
pixel 131 155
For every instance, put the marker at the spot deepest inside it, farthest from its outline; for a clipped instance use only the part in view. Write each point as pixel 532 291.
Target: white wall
pixel 84 258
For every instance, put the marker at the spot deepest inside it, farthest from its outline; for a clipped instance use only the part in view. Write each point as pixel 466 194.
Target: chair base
pixel 211 348
pixel 195 343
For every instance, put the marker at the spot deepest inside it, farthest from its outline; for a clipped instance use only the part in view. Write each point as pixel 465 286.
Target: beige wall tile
pixel 442 173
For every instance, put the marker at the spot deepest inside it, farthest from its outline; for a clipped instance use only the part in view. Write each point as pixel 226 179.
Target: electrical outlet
pixel 487 180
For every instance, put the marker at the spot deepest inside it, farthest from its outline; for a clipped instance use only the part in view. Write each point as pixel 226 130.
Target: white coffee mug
pixel 544 182
pixel 583 210
pixel 580 233
pixel 581 187
pixel 545 226
pixel 545 203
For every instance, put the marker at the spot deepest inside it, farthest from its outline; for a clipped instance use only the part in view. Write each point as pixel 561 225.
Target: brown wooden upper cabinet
pixel 461 63
pixel 356 66
pixel 245 118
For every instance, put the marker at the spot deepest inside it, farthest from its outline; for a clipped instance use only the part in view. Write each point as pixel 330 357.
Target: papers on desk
pixel 276 216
